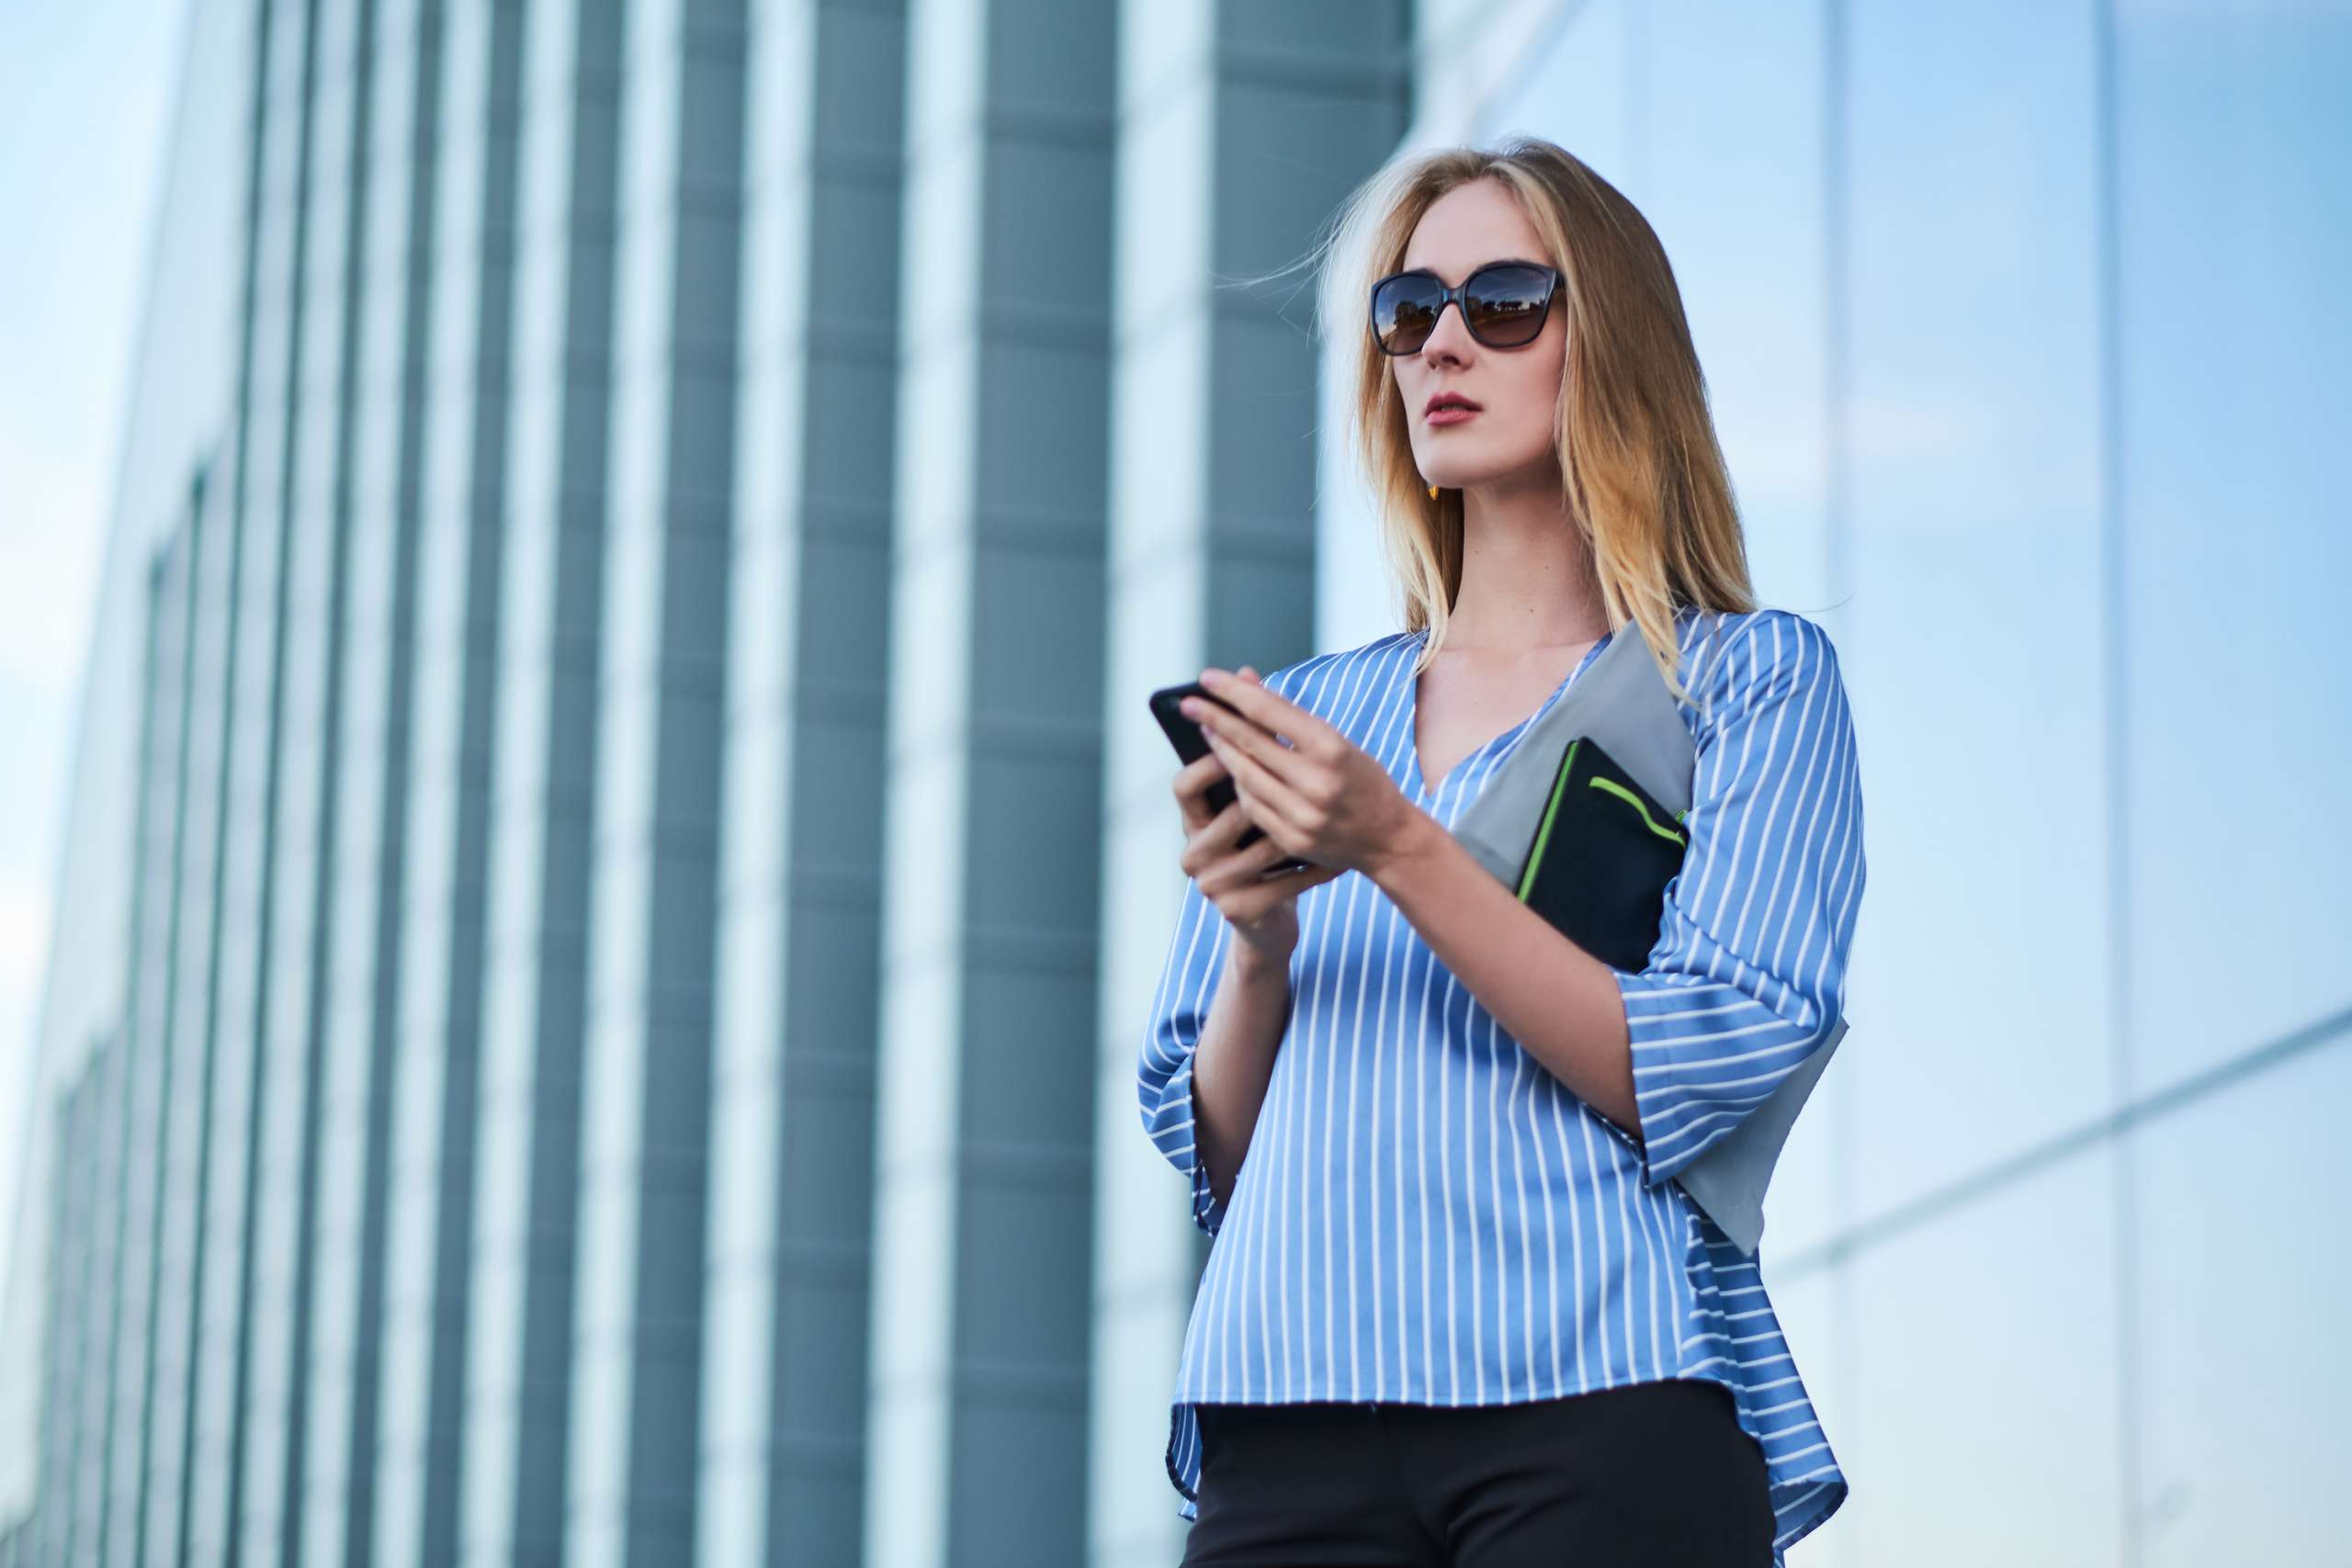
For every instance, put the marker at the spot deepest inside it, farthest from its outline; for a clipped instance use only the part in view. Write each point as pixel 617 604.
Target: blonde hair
pixel 1645 475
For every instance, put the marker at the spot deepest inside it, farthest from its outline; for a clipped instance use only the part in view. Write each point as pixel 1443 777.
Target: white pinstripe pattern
pixel 1426 1214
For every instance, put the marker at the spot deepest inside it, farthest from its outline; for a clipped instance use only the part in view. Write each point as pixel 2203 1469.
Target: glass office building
pixel 618 858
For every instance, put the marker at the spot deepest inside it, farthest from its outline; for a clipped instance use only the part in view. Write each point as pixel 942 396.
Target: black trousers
pixel 1647 1473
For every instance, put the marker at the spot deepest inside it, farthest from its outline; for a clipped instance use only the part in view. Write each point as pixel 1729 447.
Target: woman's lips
pixel 1452 414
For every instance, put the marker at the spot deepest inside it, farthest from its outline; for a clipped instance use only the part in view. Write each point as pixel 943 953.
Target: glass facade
pixel 619 856
pixel 2014 329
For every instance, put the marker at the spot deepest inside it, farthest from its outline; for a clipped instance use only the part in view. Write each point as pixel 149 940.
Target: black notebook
pixel 1603 851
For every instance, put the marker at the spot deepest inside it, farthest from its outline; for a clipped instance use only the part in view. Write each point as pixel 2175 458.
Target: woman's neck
pixel 1528 579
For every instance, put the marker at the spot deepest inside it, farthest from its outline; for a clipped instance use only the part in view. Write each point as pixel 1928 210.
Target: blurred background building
pixel 619 856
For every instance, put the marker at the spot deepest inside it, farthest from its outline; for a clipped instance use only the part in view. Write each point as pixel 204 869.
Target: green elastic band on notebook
pixel 1551 810
pixel 1613 787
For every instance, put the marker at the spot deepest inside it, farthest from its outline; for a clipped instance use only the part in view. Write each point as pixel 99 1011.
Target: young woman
pixel 1458 1311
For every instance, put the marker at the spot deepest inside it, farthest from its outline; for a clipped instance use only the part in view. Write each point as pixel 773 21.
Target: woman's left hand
pixel 1322 797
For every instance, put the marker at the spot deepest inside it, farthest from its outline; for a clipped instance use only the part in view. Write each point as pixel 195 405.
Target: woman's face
pixel 1510 438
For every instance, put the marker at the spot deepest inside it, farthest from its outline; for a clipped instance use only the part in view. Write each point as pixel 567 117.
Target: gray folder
pixel 1621 702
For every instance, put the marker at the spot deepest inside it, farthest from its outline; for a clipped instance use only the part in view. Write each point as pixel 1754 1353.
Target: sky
pixel 86 99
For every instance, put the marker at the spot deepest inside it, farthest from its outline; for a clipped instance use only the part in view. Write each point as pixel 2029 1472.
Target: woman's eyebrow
pixel 1492 260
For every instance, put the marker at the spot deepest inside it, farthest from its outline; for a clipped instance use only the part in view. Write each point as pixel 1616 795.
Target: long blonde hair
pixel 1645 475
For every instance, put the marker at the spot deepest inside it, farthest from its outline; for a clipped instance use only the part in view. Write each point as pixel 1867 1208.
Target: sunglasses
pixel 1503 304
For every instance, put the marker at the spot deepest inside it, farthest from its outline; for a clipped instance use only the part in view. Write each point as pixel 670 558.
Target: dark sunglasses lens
pixel 1508 305
pixel 1403 311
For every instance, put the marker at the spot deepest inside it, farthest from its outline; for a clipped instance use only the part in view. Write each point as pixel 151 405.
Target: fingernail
pixel 1211 677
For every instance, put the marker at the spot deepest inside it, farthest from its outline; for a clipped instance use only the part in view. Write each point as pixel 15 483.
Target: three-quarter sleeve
pixel 1188 983
pixel 1747 976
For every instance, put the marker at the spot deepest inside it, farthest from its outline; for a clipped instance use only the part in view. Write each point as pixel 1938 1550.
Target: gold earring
pixel 1433 493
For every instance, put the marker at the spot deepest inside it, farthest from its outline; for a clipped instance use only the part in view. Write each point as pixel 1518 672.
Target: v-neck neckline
pixel 1417 784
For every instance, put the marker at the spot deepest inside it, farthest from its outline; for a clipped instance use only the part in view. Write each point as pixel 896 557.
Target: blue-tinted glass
pixel 1987 1381
pixel 1974 653
pixel 2240 1386
pixel 2234 215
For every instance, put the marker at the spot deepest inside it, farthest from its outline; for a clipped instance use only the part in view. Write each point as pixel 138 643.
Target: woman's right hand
pixel 1262 909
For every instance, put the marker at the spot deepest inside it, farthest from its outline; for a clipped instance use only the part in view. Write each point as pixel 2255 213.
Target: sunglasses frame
pixel 1459 298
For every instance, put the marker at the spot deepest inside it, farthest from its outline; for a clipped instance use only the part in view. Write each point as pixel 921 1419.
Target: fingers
pixel 1249 749
pixel 1215 842
pixel 1277 781
pixel 1233 870
pixel 1245 886
pixel 1268 709
pixel 1258 892
pixel 1291 884
pixel 1192 785
pixel 1235 743
pixel 1274 798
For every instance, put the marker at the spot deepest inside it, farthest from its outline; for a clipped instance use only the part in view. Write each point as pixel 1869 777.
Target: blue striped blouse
pixel 1425 1213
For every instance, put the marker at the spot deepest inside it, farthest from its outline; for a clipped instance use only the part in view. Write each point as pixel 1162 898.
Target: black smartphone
pixel 1191 746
